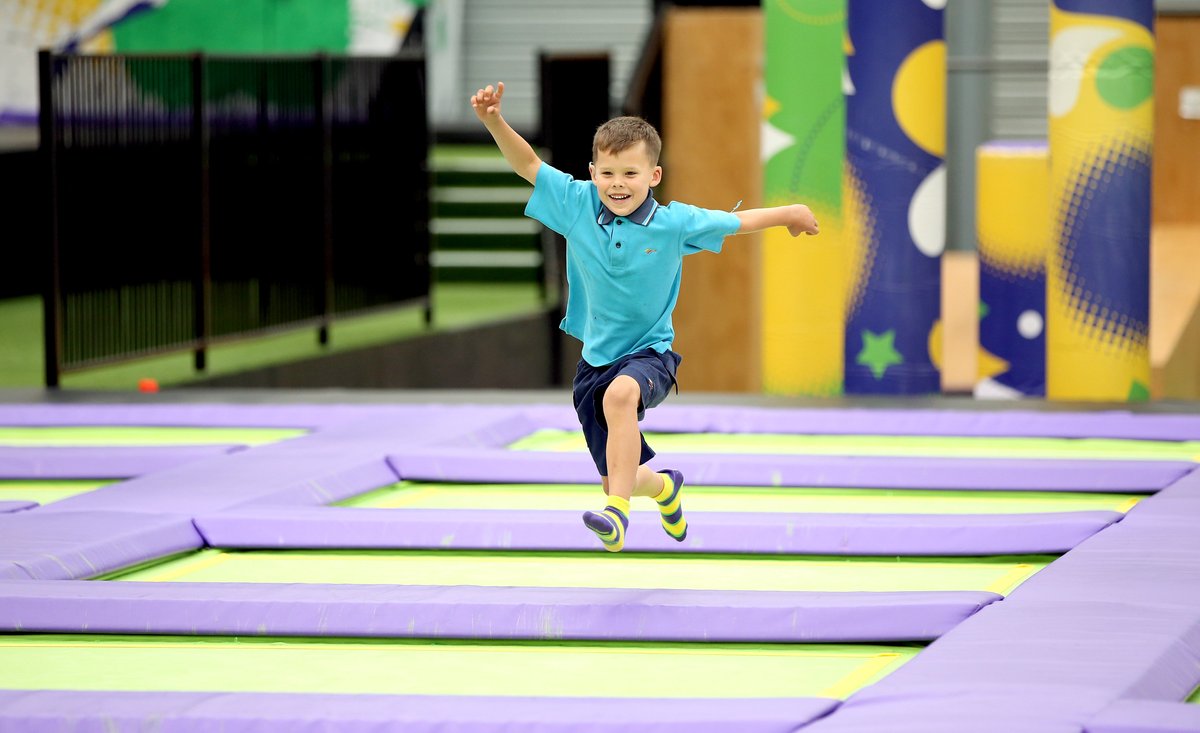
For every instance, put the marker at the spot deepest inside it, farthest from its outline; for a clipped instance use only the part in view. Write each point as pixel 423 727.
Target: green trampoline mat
pixel 46 491
pixel 125 435
pixel 998 574
pixel 417 667
pixel 580 497
pixel 885 445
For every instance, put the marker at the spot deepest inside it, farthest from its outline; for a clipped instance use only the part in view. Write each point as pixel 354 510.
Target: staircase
pixel 477 222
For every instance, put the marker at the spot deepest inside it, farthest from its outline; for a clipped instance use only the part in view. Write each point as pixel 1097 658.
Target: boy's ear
pixel 656 176
pixel 592 170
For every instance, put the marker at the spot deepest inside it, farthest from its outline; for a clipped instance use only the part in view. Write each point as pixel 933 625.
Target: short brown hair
pixel 621 133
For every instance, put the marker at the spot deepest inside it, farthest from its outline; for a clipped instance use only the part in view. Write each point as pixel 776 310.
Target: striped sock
pixel 610 524
pixel 670 505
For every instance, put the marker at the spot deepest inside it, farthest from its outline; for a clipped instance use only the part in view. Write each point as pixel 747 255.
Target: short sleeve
pixel 557 199
pixel 704 229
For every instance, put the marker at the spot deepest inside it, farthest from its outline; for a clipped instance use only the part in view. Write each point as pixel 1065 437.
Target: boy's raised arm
pixel 517 151
pixel 798 219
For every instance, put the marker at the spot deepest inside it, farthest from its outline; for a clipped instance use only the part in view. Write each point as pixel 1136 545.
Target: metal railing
pixel 196 199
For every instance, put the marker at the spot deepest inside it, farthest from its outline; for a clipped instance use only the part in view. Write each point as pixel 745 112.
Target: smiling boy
pixel 624 264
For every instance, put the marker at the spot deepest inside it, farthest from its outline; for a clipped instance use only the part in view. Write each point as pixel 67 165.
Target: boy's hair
pixel 621 133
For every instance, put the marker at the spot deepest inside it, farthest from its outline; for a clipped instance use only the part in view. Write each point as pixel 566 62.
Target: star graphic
pixel 879 352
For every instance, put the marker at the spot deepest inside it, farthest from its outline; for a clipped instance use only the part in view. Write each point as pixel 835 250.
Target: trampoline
pixel 131 435
pixel 408 667
pixel 423 566
pixel 886 445
pixel 783 500
pixel 590 570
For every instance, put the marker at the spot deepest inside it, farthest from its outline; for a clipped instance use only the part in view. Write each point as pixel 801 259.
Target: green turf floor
pixel 124 435
pixel 417 667
pixel 885 445
pixel 1195 698
pixel 596 570
pixel 579 497
pixel 46 491
pixel 455 306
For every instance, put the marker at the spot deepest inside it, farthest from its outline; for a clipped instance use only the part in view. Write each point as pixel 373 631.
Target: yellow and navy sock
pixel 610 524
pixel 670 505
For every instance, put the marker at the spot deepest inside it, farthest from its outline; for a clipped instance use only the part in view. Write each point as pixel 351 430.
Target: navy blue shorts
pixel 654 373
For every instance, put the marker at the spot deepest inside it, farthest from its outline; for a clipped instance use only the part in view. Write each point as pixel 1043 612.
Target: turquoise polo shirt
pixel 623 272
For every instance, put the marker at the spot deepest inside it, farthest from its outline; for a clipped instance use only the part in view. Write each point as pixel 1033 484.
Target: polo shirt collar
pixel 642 215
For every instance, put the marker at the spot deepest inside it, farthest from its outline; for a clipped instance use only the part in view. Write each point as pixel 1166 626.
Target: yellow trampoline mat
pixel 998 574
pixel 886 445
pixel 47 491
pixel 420 667
pixel 581 497
pixel 126 435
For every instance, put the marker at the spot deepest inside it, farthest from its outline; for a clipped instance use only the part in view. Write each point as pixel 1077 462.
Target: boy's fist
pixel 801 221
pixel 486 102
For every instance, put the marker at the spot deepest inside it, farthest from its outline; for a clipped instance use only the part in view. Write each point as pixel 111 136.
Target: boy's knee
pixel 622 395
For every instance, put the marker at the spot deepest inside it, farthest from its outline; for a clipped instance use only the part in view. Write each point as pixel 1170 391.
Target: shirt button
pixel 620 222
pixel 618 245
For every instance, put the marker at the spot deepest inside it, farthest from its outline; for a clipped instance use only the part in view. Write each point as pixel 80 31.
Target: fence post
pixel 48 152
pixel 325 141
pixel 574 102
pixel 202 292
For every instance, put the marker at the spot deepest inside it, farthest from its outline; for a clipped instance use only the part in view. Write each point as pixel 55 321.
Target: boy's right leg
pixel 623 450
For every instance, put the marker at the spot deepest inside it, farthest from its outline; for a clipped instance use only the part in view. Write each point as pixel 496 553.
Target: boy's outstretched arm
pixel 517 151
pixel 798 219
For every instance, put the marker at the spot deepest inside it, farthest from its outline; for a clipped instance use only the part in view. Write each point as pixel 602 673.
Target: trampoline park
pixel 272 566
pixel 861 555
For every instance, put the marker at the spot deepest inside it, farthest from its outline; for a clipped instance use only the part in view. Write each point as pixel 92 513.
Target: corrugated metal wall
pixel 501 42
pixel 1020 48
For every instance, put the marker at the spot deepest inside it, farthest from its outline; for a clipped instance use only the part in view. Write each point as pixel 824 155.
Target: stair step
pixel 448 202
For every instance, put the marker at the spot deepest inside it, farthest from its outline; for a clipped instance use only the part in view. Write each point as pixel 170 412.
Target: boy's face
pixel 624 179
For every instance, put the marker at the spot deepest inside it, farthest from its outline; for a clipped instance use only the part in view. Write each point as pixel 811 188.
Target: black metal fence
pixel 194 199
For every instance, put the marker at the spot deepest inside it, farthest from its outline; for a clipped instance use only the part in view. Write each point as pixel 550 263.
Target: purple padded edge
pixel 65 546
pixel 1146 716
pixel 670 417
pixel 1116 618
pixel 68 462
pixel 866 421
pixel 502 466
pixel 731 532
pixel 40 711
pixel 303 609
pixel 7 507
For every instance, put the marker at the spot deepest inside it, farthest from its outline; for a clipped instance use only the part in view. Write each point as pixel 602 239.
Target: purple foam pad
pixel 1118 649
pixel 500 466
pixel 732 532
pixel 1146 716
pixel 959 708
pixel 1150 561
pixel 101 462
pixel 194 712
pixel 62 546
pixel 265 609
pixel 670 418
pixel 318 468
pixel 865 421
pixel 16 506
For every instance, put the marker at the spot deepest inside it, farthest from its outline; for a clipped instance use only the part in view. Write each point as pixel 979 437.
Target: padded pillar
pixel 1101 140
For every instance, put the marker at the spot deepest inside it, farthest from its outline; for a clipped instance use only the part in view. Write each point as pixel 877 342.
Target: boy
pixel 624 261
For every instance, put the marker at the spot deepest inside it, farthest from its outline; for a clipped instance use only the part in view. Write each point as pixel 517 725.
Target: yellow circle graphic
pixel 919 97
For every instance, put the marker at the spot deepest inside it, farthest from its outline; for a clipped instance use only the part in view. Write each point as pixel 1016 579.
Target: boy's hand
pixel 486 102
pixel 801 221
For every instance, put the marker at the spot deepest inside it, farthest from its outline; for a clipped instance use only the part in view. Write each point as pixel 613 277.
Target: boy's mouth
pixel 620 196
